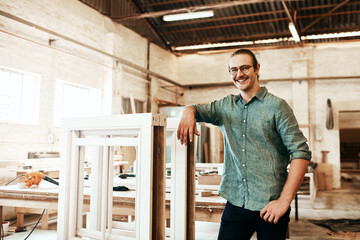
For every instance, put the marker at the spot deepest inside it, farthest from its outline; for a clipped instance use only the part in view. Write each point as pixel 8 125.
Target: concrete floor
pixel 334 204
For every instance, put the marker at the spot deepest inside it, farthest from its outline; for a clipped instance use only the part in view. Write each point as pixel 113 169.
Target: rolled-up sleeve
pixel 209 113
pixel 290 133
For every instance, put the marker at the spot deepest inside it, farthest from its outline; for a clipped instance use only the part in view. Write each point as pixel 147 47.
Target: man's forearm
pixel 296 175
pixel 189 109
pixel 187 126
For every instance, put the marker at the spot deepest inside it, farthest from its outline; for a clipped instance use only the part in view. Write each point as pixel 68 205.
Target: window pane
pixel 19 95
pixel 75 101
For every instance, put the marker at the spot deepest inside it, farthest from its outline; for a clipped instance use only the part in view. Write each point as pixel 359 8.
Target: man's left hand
pixel 274 210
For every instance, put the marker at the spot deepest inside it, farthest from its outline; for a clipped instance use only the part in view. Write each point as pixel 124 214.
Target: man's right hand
pixel 187 125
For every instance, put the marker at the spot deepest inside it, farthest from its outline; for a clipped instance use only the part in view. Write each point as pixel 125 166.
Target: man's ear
pixel 257 68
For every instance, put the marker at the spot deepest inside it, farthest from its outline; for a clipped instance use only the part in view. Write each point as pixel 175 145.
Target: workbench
pixel 207 209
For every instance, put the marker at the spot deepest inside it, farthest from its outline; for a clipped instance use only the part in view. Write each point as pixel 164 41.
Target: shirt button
pixel 243 135
pixel 245 107
pixel 244 180
pixel 243 150
pixel 243 165
pixel 244 120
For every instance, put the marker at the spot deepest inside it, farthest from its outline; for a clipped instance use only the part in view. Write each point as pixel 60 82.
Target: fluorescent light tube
pixel 332 35
pixel 294 33
pixel 186 16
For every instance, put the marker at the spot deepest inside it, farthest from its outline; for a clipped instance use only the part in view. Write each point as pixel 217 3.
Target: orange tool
pixel 34 178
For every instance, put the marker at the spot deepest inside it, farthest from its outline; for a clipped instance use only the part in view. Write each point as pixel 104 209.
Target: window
pixel 19 97
pixel 72 100
pixel 126 105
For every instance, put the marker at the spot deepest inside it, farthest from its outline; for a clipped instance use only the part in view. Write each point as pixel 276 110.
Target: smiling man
pixel 261 137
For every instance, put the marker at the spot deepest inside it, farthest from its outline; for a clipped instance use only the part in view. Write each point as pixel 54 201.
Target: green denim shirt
pixel 260 138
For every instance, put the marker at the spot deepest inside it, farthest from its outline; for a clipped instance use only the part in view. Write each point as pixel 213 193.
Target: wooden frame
pixel 144 131
pixel 182 199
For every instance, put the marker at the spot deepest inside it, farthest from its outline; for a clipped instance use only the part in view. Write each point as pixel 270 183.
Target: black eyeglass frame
pixel 244 69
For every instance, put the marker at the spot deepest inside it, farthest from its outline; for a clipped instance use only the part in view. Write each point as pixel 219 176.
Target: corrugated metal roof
pixel 233 20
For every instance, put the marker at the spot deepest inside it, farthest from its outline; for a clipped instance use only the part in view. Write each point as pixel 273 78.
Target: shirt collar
pixel 259 95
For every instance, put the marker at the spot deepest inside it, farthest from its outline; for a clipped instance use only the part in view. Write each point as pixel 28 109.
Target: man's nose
pixel 239 73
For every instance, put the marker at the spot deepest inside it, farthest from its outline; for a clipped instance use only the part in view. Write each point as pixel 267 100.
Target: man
pixel 261 136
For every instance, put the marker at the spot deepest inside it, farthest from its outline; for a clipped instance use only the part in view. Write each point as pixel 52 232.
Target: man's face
pixel 243 73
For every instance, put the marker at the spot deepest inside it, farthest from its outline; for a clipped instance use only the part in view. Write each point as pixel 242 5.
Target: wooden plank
pixel 159 169
pixel 190 223
pixel 45 221
pixel 19 219
pixel 205 193
pixel 209 179
pixel 1 217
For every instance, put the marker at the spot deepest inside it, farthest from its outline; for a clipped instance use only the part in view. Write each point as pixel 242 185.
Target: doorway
pixel 349 124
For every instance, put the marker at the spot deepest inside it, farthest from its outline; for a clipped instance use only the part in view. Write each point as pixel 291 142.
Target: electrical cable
pixel 35 225
pixel 45 178
pixel 15 179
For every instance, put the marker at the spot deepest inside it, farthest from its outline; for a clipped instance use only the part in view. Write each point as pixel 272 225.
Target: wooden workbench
pixel 207 209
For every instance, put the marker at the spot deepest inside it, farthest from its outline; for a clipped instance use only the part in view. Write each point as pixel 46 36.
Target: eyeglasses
pixel 244 69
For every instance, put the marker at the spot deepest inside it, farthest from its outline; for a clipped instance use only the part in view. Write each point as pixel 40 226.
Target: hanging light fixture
pixel 186 16
pixel 294 33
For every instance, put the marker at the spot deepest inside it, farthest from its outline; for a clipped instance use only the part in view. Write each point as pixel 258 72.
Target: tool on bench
pixel 34 178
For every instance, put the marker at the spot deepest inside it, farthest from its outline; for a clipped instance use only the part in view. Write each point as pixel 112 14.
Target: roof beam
pixel 260 21
pixel 151 27
pixel 192 9
pixel 226 25
pixel 325 15
pixel 172 24
pixel 223 18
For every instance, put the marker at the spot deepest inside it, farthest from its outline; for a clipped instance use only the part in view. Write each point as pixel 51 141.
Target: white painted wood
pixel 74 175
pixel 124 225
pixel 95 186
pixel 64 184
pixel 80 195
pixel 126 142
pixel 128 132
pixel 144 177
pixel 178 183
pixel 104 192
pixel 110 191
pixel 140 127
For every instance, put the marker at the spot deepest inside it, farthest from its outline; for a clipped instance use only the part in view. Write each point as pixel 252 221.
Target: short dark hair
pixel 248 52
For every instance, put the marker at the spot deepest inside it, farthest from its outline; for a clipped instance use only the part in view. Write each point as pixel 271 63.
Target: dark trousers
pixel 238 223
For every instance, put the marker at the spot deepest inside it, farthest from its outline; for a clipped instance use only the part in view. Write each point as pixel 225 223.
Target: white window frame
pixel 22 119
pixel 117 130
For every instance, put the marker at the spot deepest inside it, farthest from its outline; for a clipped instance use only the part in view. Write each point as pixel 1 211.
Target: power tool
pixel 34 178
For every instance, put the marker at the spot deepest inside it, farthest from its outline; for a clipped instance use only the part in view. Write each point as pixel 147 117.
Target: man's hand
pixel 274 210
pixel 187 125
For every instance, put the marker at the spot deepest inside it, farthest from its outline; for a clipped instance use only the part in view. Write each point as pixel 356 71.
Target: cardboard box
pixel 324 175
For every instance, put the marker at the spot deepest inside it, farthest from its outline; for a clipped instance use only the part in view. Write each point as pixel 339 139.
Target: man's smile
pixel 241 80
